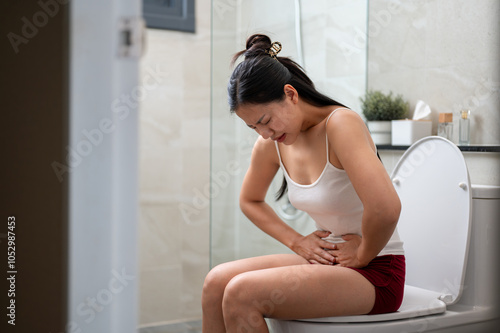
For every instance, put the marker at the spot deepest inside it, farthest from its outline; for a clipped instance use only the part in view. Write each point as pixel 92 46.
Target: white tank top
pixel 332 202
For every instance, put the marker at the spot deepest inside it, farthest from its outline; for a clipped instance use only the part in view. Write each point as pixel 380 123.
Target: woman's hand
pixel 346 254
pixel 314 249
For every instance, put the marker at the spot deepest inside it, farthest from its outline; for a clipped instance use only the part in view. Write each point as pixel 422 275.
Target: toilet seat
pixel 433 184
pixel 417 302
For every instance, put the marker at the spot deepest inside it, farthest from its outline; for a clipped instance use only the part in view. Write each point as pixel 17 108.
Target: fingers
pixel 320 257
pixel 328 246
pixel 324 258
pixel 315 262
pixel 333 253
pixel 316 250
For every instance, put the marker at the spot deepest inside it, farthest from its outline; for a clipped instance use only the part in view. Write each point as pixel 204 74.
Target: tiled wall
pixel 174 168
pixel 446 53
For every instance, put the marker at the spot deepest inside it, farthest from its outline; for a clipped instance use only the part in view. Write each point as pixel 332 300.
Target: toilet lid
pixel 432 181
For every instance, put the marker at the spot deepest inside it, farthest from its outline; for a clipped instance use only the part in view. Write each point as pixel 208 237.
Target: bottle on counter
pixel 464 128
pixel 445 126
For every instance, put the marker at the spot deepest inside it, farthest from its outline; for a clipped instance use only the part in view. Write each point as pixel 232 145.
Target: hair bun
pixel 259 41
pixel 257 45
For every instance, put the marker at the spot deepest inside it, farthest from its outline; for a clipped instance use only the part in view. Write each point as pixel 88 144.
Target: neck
pixel 313 115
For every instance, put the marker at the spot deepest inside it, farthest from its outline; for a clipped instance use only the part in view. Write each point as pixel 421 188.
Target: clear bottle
pixel 464 128
pixel 445 126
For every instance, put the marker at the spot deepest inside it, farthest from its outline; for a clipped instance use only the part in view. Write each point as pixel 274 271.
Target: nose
pixel 264 131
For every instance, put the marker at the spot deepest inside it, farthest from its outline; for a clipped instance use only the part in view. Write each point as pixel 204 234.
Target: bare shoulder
pixel 348 138
pixel 343 116
pixel 346 124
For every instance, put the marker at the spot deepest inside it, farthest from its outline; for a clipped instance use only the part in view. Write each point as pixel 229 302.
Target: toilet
pixel 450 234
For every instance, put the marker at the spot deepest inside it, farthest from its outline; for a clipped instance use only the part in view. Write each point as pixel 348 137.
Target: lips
pixel 281 138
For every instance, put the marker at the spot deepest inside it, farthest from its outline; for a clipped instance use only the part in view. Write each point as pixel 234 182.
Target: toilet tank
pixel 481 287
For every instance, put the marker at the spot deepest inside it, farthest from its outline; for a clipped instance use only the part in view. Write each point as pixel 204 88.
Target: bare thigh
pixel 233 268
pixel 302 291
pixel 217 280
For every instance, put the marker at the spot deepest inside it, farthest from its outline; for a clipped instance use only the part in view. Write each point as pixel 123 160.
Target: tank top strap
pixel 326 135
pixel 278 150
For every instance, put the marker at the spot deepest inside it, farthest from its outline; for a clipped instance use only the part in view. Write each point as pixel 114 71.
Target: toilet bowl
pixel 450 230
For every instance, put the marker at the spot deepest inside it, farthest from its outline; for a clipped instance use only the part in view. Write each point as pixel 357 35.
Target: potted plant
pixel 379 109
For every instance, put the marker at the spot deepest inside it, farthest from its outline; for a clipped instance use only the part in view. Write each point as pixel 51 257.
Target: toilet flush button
pixel 462 186
pixel 395 181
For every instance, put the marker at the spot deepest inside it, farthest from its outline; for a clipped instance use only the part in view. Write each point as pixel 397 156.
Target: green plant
pixel 378 106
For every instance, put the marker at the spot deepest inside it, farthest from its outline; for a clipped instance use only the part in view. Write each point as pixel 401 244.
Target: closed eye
pixel 260 122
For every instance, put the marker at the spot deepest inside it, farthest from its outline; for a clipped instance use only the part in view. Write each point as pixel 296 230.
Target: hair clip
pixel 274 49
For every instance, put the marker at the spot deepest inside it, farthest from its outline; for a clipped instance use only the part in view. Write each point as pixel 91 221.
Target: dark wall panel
pixel 34 109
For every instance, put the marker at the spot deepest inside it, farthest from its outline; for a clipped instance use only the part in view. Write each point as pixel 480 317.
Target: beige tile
pixel 157 288
pixel 159 171
pixel 195 265
pixel 174 120
pixel 159 130
pixel 160 231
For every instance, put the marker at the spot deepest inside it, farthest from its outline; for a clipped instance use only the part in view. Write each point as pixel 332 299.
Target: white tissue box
pixel 406 132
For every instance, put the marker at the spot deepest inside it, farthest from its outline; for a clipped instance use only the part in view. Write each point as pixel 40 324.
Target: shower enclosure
pixel 328 39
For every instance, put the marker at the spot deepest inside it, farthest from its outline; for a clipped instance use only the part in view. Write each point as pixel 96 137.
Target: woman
pixel 333 173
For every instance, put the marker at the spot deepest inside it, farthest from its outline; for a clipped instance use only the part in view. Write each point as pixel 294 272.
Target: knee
pixel 214 285
pixel 236 295
pixel 239 305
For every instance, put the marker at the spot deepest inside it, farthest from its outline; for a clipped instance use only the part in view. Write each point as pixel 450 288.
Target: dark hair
pixel 260 79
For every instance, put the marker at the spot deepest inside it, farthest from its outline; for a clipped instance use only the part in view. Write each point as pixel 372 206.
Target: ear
pixel 291 93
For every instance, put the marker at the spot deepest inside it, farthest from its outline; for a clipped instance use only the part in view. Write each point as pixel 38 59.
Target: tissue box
pixel 406 132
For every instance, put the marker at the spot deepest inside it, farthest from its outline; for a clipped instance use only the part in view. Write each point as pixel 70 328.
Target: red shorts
pixel 387 274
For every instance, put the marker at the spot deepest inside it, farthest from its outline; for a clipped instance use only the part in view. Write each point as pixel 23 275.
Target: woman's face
pixel 276 121
pixel 279 121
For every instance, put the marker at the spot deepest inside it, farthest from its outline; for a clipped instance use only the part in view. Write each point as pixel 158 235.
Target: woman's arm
pixel 263 167
pixel 351 148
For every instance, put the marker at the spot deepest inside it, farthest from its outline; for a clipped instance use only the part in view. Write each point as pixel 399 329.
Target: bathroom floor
pixel 186 327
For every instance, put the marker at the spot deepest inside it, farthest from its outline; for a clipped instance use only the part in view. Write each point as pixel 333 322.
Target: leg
pixel 302 291
pixel 219 277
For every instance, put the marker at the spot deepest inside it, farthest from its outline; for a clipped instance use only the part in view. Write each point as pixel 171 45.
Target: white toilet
pixel 450 234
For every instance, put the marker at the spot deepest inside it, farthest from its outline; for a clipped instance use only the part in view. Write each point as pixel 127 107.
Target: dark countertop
pixel 471 148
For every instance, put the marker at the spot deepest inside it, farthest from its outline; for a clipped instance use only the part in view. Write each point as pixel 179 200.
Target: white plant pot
pixel 380 131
